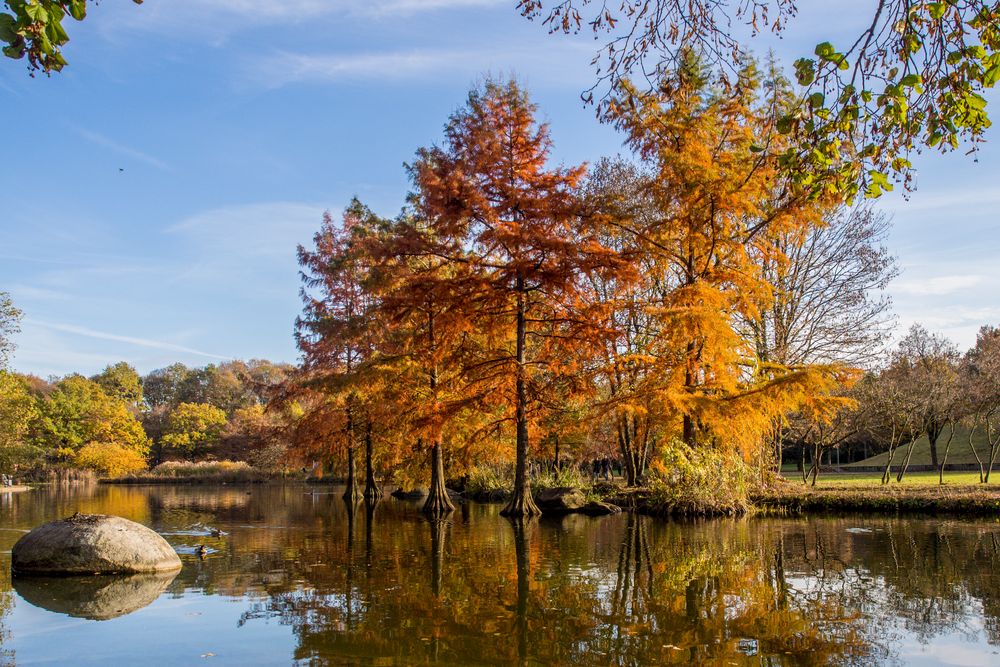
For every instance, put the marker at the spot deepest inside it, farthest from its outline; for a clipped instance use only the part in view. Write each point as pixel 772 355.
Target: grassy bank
pixel 911 479
pixel 205 472
pixel 918 493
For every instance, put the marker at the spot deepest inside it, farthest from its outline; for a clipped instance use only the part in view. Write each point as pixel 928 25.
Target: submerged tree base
pixel 521 505
pixel 373 492
pixel 438 501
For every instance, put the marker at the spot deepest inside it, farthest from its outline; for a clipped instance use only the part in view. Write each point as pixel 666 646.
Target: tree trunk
pixel 932 437
pixel 351 494
pixel 556 459
pixel 817 461
pixel 521 503
pixel 688 428
pixel 994 449
pixel 372 490
pixel 972 446
pixel 688 433
pixel 906 461
pixel 641 448
pixel 887 473
pixel 624 446
pixel 438 501
pixel 893 444
pixel 947 448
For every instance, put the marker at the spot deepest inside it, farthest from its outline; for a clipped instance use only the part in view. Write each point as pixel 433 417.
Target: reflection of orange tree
pixel 715 594
pixel 675 594
pixel 621 590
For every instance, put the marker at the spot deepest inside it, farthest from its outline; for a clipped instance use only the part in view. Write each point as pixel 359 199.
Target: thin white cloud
pixel 938 286
pixel 410 7
pixel 285 67
pixel 974 198
pixel 559 62
pixel 295 10
pixel 219 19
pixel 130 340
pixel 121 149
pixel 29 292
pixel 251 230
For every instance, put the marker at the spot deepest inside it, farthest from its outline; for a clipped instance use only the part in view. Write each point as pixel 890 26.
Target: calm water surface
pixel 295 577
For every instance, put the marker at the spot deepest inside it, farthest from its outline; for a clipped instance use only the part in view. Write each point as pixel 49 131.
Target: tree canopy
pixel 33 29
pixel 914 76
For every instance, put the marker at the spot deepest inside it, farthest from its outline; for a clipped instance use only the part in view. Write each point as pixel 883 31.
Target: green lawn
pixel 912 479
pixel 960 453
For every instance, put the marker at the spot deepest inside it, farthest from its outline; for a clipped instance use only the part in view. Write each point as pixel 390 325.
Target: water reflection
pixel 98 598
pixel 473 588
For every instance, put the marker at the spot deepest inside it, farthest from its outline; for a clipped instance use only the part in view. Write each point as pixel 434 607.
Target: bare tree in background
pixel 10 324
pixel 928 366
pixel 981 391
pixel 829 302
pixel 888 415
pixel 619 190
pixel 821 431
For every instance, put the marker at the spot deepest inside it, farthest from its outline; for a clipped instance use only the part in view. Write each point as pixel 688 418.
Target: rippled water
pixel 291 576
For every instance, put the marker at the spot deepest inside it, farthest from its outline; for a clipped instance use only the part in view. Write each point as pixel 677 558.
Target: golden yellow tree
pixel 719 201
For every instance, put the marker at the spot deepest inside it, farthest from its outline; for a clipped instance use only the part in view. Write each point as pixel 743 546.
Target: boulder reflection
pixel 98 598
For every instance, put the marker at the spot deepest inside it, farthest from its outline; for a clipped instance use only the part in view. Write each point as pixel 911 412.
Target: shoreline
pixel 888 500
pixel 15 489
pixel 788 499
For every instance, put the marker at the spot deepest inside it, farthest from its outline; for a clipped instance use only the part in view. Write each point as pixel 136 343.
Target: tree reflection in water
pixel 474 588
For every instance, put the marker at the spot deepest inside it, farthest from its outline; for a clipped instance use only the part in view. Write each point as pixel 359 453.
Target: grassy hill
pixel 960 453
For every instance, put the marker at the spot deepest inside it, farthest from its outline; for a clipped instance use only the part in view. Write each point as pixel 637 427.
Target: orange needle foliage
pixel 495 207
pixel 719 202
pixel 509 300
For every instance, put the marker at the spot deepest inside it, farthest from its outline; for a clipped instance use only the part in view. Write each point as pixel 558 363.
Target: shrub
pixel 488 481
pixel 202 469
pixel 700 480
pixel 569 476
pixel 109 459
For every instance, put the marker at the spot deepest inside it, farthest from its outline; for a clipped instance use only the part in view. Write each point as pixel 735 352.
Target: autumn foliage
pixel 516 304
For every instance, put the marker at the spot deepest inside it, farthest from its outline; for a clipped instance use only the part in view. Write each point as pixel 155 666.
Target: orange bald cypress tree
pixel 425 340
pixel 496 208
pixel 338 335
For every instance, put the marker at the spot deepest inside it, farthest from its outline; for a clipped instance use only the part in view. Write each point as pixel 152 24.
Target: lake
pixel 292 577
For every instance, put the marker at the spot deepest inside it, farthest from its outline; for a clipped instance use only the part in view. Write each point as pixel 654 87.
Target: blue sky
pixel 157 188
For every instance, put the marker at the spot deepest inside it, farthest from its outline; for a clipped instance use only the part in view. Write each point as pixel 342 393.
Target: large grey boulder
pixel 93 544
pixel 598 508
pixel 560 500
pixel 97 598
pixel 568 500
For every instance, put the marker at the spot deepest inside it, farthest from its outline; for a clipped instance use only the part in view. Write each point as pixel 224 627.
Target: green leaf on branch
pixel 824 50
pixel 15 51
pixel 8 28
pixel 78 9
pixel 805 71
pixel 36 13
